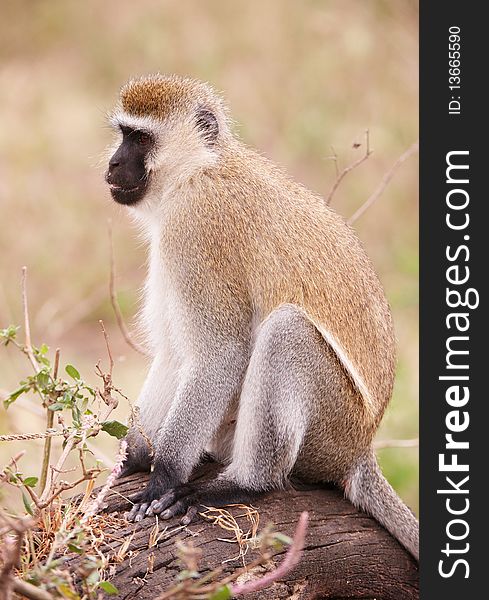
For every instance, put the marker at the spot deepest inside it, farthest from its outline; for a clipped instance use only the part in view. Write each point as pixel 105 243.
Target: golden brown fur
pixel 274 242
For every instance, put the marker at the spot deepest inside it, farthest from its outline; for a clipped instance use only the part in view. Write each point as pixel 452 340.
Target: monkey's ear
pixel 207 124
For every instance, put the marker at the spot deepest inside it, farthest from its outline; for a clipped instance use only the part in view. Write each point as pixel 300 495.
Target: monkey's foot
pixel 191 498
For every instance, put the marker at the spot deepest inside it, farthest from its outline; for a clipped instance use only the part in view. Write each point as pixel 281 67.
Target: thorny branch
pixel 346 170
pixel 27 328
pixel 383 184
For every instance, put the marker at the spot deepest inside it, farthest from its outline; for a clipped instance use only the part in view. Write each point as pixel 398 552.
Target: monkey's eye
pixel 144 139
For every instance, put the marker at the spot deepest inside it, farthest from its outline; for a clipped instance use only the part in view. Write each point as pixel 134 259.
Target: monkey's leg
pixel 207 387
pixel 294 393
pixel 152 406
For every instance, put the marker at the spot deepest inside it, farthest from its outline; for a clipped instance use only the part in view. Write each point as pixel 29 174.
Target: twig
pixel 346 170
pixel 334 158
pixel 106 394
pixel 96 505
pixel 28 345
pixel 10 559
pixel 54 472
pixel 109 353
pixel 4 475
pixel 30 591
pixel 290 561
pixel 383 184
pixel 49 425
pixel 115 304
pixel 135 421
pixel 414 443
pixel 10 551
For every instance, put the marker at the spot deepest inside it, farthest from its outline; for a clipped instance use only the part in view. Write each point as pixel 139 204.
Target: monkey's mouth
pixel 124 190
pixel 127 195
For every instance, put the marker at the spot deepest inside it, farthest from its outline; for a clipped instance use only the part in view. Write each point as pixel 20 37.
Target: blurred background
pixel 303 80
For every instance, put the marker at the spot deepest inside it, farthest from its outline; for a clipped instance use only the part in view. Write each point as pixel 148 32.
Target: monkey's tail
pixel 369 490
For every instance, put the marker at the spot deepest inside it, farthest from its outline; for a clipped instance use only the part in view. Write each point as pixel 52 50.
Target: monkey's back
pixel 298 250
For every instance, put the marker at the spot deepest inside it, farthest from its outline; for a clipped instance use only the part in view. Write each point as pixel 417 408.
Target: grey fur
pixel 368 489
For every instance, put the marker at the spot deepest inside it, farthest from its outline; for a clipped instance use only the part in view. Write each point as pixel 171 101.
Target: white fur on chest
pixel 159 315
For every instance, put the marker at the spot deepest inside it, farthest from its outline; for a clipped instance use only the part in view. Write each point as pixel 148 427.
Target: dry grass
pixel 227 521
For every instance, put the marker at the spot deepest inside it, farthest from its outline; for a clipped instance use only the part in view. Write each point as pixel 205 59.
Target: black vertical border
pixel 441 133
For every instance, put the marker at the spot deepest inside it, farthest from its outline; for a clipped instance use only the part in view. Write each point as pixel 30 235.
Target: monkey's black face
pixel 127 176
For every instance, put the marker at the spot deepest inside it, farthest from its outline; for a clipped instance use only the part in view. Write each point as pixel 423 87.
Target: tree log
pixel 347 554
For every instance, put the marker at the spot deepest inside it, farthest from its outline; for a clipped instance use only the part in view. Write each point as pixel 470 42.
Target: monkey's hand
pixel 189 499
pixel 162 480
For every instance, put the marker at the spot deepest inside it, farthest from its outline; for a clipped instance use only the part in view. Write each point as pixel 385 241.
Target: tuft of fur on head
pixel 162 95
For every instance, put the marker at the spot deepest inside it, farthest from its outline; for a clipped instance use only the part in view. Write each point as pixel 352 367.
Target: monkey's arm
pixel 151 409
pixel 205 389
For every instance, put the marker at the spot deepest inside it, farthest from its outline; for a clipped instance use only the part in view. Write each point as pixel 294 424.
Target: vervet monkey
pixel 271 338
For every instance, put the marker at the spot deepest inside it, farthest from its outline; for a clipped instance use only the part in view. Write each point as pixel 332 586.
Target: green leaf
pixel 14 395
pixel 90 390
pixel 66 592
pixel 14 477
pixel 115 429
pixel 68 397
pixel 75 548
pixel 75 411
pixel 30 481
pixel 42 379
pixel 27 504
pixel 223 593
pixel 72 372
pixel 284 539
pixel 108 587
pixel 56 406
pixel 9 334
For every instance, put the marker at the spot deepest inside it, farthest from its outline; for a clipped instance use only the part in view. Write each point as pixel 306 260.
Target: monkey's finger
pixel 141 512
pixel 149 512
pixel 164 502
pixel 175 509
pixel 136 512
pixel 132 513
pixel 189 515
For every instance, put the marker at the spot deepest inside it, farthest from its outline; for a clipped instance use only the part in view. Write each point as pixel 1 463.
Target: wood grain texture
pixel 347 554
